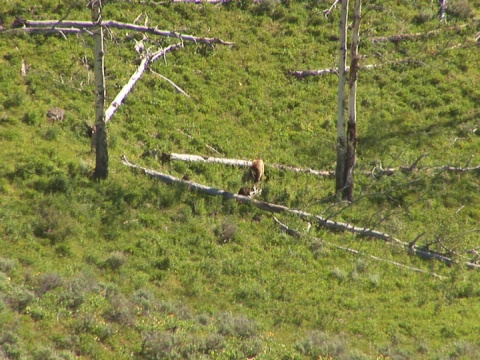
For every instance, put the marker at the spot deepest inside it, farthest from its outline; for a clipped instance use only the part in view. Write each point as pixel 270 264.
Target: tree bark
pixel 341 137
pixel 101 146
pixel 352 106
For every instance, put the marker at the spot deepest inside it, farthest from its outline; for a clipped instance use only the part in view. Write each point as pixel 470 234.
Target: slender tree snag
pixel 50 24
pixel 352 106
pixel 443 5
pixel 101 165
pixel 298 234
pixel 422 252
pixel 341 136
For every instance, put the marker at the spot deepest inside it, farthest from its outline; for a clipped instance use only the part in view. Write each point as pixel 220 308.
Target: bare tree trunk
pixel 341 138
pixel 352 106
pixel 101 163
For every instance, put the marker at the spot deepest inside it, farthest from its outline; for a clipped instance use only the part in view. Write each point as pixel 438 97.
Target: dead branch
pixel 298 234
pixel 206 145
pixel 420 251
pixel 171 83
pixel 411 168
pixel 49 25
pixel 402 37
pixel 57 30
pixel 127 88
pixel 456 169
pixel 327 12
pixel 306 73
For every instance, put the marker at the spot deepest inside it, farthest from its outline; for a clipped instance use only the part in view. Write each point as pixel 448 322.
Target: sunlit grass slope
pixel 133 268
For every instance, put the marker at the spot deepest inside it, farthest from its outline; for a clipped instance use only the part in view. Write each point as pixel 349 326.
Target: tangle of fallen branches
pixel 298 234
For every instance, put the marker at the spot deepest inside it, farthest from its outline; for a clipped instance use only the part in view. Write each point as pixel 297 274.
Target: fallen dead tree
pixel 240 163
pixel 301 74
pixel 377 171
pixel 412 248
pixel 298 234
pixel 76 26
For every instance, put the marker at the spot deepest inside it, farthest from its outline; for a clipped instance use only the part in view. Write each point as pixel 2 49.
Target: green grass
pixel 130 267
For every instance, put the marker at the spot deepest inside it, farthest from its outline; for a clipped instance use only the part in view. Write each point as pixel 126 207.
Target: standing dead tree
pixel 352 106
pixel 95 28
pixel 100 135
pixel 341 134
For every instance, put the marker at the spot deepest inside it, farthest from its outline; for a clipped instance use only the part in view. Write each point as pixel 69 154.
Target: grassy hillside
pixel 133 268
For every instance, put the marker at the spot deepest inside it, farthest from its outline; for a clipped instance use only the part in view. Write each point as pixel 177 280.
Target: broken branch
pixel 127 88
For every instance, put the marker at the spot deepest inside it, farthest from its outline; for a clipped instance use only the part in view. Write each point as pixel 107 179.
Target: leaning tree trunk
pixel 101 164
pixel 352 106
pixel 341 138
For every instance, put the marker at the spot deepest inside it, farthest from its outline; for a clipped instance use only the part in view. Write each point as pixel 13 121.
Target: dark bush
pixel 116 260
pixel 49 282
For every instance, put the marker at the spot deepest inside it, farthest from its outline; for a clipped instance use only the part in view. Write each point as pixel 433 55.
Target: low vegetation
pixel 133 268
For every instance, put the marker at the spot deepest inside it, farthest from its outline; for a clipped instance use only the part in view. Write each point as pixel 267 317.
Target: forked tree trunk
pixel 101 147
pixel 352 106
pixel 341 138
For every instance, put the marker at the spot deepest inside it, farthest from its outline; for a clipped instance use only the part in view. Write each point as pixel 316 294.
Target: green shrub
pixel 7 265
pixel 460 9
pixel 20 298
pixel 11 345
pixel 319 344
pixel 120 311
pixel 236 326
pixel 159 345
